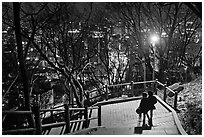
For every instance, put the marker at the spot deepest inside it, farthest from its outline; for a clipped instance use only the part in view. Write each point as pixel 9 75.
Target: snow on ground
pixel 192 93
pixel 191 118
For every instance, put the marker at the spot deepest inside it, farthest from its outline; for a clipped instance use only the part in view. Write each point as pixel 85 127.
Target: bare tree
pixel 144 19
pixel 23 70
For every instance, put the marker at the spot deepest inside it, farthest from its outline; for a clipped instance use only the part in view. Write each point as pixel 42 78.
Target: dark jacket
pixel 144 105
pixel 151 101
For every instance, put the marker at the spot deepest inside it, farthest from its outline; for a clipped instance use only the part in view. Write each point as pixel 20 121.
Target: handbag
pixel 138 111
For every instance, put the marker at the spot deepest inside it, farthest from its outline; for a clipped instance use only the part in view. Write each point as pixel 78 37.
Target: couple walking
pixel 147 104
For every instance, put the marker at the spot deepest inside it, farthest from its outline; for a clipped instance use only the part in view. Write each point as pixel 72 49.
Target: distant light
pixel 154 38
pixel 28 58
pixel 36 59
pixel 164 34
pixel 4 32
pixel 74 31
pixel 127 37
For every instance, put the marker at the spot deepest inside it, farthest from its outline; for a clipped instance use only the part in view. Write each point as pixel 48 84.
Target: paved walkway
pixel 121 119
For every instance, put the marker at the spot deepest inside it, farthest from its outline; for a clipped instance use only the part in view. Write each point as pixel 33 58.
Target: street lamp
pixel 154 39
pixel 144 68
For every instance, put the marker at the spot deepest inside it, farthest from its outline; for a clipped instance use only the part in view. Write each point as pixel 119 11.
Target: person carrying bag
pixel 152 100
pixel 143 108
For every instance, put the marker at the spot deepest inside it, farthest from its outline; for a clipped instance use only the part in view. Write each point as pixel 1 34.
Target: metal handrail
pixel 18 130
pixel 17 112
pixel 170 90
pixel 135 83
pixel 74 109
pixel 160 83
pixel 123 84
pixel 143 82
pixel 166 87
pixel 46 110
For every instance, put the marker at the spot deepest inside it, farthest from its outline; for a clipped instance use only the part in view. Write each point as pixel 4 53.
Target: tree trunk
pixel 149 66
pixel 23 71
pixel 79 104
pixel 81 90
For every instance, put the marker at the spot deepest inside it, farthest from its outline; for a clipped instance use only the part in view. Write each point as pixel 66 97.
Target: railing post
pixel 38 124
pixel 52 116
pixel 132 88
pixel 155 86
pixel 175 100
pixel 87 101
pixel 86 117
pixel 99 115
pixel 165 85
pixel 106 90
pixel 67 118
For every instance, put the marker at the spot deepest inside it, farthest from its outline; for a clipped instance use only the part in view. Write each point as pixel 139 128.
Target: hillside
pixel 190 106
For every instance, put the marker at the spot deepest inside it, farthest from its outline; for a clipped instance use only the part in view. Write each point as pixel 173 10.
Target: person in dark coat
pixel 152 100
pixel 144 107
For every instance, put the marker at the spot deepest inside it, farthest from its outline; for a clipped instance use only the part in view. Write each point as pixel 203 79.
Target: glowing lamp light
pixel 154 38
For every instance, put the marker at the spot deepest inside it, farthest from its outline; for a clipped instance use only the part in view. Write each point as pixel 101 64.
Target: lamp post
pixel 144 68
pixel 154 39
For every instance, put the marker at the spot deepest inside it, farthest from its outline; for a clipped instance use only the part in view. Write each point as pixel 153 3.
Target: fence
pixel 102 93
pixel 39 127
pixel 111 91
pixel 169 96
pixel 136 88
